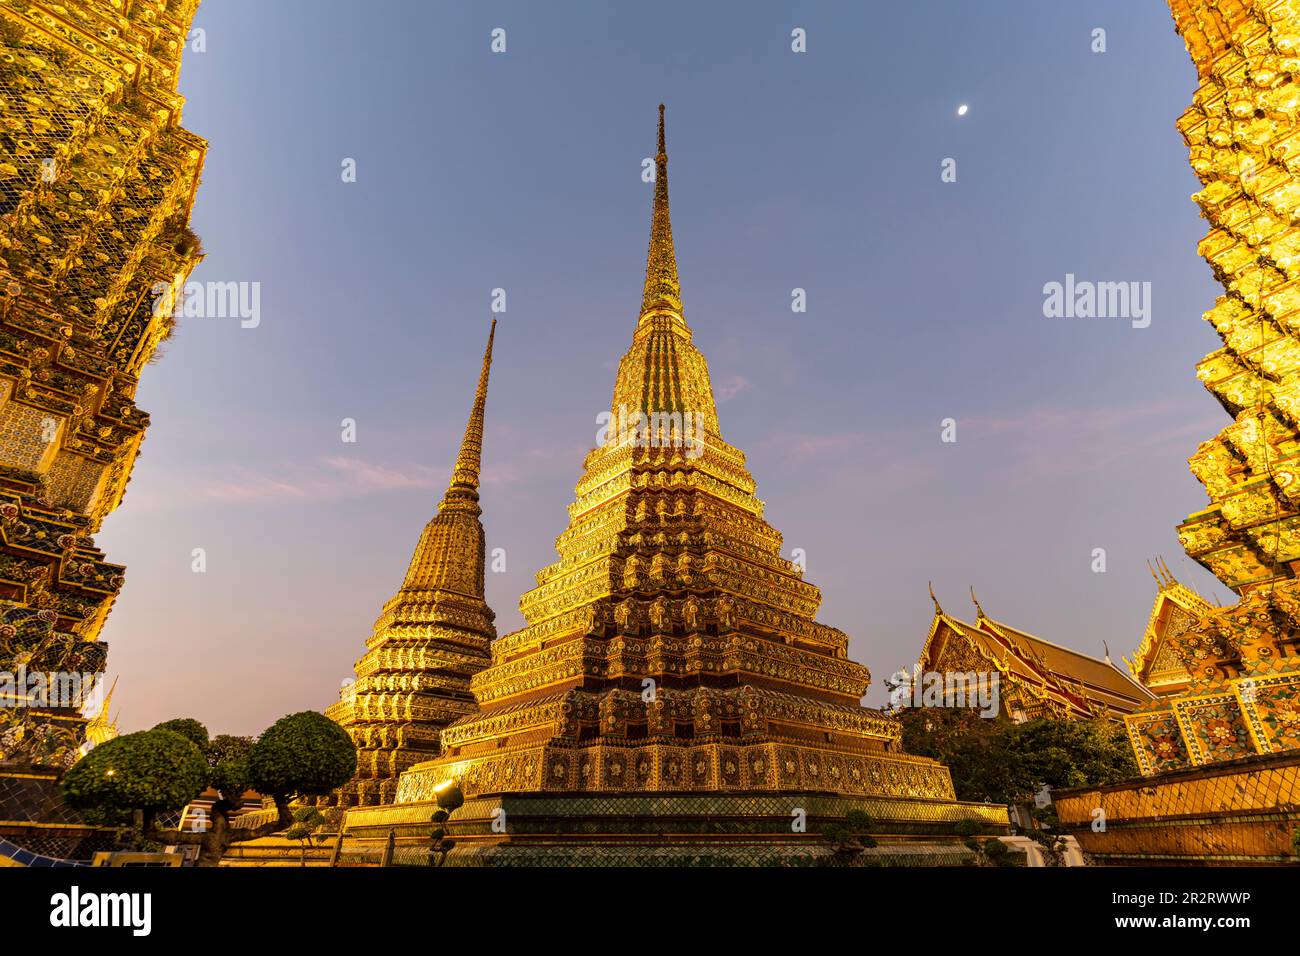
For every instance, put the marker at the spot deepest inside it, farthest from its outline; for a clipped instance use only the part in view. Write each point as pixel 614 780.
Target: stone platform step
pixel 667 829
pixel 275 850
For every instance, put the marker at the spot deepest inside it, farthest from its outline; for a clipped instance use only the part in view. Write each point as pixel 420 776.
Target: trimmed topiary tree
pixel 851 838
pixel 138 776
pixel 304 754
pixel 306 821
pixel 190 729
pixel 151 772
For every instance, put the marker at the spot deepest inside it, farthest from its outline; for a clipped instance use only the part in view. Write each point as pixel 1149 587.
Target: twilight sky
pixel 521 170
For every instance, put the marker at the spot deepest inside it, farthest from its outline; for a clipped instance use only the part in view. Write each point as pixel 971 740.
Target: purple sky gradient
pixel 818 170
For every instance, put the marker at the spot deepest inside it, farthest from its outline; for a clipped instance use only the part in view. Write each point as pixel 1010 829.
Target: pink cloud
pixel 326 479
pixel 731 386
pixel 1049 441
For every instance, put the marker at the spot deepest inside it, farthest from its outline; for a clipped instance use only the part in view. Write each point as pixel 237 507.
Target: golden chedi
pixel 431 637
pixel 671 647
pixel 1242 692
pixel 672 699
pixel 671 652
pixel 97 179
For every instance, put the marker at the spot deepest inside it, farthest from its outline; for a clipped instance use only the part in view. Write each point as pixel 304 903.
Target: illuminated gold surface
pixel 671 647
pixel 1228 676
pixel 1240 133
pixel 1242 812
pixel 431 637
pixel 97 178
pixel 1036 678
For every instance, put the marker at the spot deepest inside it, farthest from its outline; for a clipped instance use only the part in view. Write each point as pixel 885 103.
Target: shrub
pixel 152 770
pixel 304 753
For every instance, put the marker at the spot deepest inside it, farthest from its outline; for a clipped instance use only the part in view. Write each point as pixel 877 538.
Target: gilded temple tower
pixel 97 179
pixel 1242 691
pixel 672 693
pixel 671 647
pixel 431 637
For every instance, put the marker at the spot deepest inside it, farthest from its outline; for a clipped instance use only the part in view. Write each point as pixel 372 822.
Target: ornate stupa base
pixel 667 829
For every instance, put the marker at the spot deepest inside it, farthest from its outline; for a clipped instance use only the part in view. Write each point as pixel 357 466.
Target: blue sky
pixel 521 171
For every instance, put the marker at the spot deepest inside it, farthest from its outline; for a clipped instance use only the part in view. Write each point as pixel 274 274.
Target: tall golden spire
pixel 450 552
pixel 662 290
pixel 464 476
pixel 430 638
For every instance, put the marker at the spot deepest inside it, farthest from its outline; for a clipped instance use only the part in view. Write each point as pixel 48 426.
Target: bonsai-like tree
pixel 988 852
pixel 851 838
pixel 306 821
pixel 450 799
pixel 136 777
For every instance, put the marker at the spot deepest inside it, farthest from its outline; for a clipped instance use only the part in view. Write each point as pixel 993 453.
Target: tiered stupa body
pixel 671 648
pixel 1242 693
pixel 432 636
pixel 97 179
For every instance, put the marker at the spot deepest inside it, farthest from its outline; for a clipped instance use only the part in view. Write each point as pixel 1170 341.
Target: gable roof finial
pixel 979 611
pixel 1170 580
pixel 937 608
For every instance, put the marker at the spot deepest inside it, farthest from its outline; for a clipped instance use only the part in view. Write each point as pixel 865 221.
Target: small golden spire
pixel 465 474
pixel 100 728
pixel 662 289
pixel 979 611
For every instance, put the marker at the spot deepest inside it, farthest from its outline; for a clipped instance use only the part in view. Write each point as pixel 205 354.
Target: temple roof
pixel 1063 680
pixel 1156 663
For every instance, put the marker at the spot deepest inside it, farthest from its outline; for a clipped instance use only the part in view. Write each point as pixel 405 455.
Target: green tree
pixel 850 838
pixel 987 852
pixel 979 751
pixel 306 821
pixel 224 746
pixel 305 753
pixel 1075 753
pixel 1000 761
pixel 138 776
pixel 152 772
pixel 189 728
